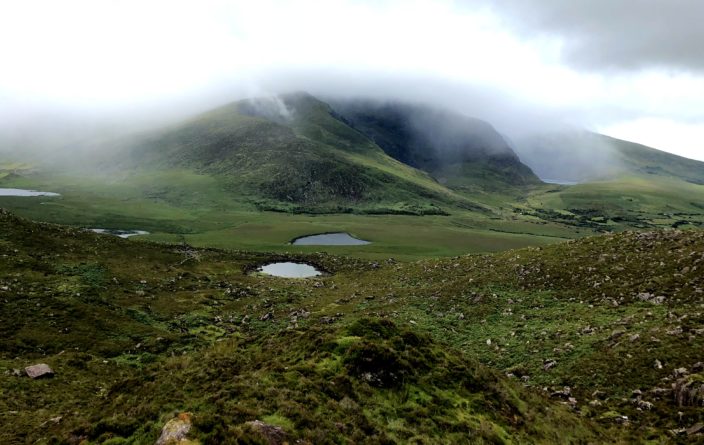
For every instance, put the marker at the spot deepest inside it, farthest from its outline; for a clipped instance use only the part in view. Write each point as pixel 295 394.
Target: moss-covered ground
pixel 467 349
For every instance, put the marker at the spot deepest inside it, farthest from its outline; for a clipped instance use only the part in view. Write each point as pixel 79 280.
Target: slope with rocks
pixel 137 333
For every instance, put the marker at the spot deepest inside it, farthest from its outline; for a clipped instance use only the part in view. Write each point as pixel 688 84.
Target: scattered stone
pixel 549 364
pixel 633 337
pixel 39 371
pixel 274 435
pixel 175 431
pixel 621 420
pixel 689 390
pixel 267 316
pixel 650 298
pixel 599 394
pixel 679 372
pixel 565 393
pixel 616 334
pixel 675 331
pixel 55 420
pixel 643 405
pixel 695 429
pixel 658 364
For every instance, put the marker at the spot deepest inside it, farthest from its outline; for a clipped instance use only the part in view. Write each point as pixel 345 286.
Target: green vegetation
pixel 251 176
pixel 628 202
pixel 414 338
pixel 457 150
pixel 470 349
pixel 584 156
pixel 176 205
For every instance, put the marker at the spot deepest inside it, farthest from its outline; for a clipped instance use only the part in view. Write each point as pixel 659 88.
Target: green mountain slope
pixel 291 154
pixel 620 184
pixel 459 151
pixel 583 156
pixel 135 334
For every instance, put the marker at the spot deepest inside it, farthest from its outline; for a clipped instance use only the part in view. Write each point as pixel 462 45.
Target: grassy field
pixel 178 206
pixel 202 210
pixel 629 202
pixel 539 345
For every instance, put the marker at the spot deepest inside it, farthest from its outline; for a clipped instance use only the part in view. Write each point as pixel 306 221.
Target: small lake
pixel 290 270
pixel 560 181
pixel 120 233
pixel 23 192
pixel 329 239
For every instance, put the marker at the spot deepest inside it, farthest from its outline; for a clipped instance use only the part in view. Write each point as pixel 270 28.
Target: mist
pixel 86 72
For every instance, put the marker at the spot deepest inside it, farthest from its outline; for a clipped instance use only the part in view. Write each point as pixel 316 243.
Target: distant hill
pixel 457 150
pixel 584 156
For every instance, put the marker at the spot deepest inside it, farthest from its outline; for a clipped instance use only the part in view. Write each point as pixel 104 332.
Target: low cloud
pixel 523 65
pixel 613 35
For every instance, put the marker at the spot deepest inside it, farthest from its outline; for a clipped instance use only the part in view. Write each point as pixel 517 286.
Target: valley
pixel 347 273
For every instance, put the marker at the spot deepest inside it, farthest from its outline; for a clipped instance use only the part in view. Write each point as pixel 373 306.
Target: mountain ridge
pixel 584 156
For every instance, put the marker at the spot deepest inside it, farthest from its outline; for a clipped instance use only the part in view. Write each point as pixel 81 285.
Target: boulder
pixel 689 390
pixel 273 435
pixel 549 364
pixel 175 431
pixel 695 429
pixel 39 371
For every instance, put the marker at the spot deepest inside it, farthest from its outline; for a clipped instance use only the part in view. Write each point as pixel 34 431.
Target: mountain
pixel 291 154
pixel 583 156
pixel 457 150
pixel 297 152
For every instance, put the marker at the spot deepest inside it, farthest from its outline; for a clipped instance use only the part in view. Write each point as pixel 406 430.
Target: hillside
pixel 267 162
pixel 619 184
pixel 459 151
pixel 527 346
pixel 582 156
pixel 136 332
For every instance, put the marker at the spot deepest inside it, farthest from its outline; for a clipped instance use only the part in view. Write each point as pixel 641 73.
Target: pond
pixel 23 192
pixel 290 270
pixel 121 233
pixel 560 181
pixel 329 239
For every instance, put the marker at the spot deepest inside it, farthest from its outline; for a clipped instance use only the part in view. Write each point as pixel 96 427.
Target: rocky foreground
pixel 104 340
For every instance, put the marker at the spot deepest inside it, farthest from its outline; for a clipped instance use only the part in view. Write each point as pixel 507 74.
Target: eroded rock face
pixel 175 431
pixel 39 371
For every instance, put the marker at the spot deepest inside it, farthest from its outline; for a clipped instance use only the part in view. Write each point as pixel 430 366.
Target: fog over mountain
pixel 92 69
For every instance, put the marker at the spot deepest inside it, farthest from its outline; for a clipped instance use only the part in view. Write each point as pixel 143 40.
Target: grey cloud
pixel 613 34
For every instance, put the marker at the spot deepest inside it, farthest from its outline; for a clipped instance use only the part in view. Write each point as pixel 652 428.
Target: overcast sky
pixel 633 69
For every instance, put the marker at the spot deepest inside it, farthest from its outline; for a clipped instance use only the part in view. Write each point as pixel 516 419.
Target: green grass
pixel 176 205
pixel 637 201
pixel 385 353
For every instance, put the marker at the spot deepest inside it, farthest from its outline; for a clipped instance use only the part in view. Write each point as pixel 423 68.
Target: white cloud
pixel 684 139
pixel 101 54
